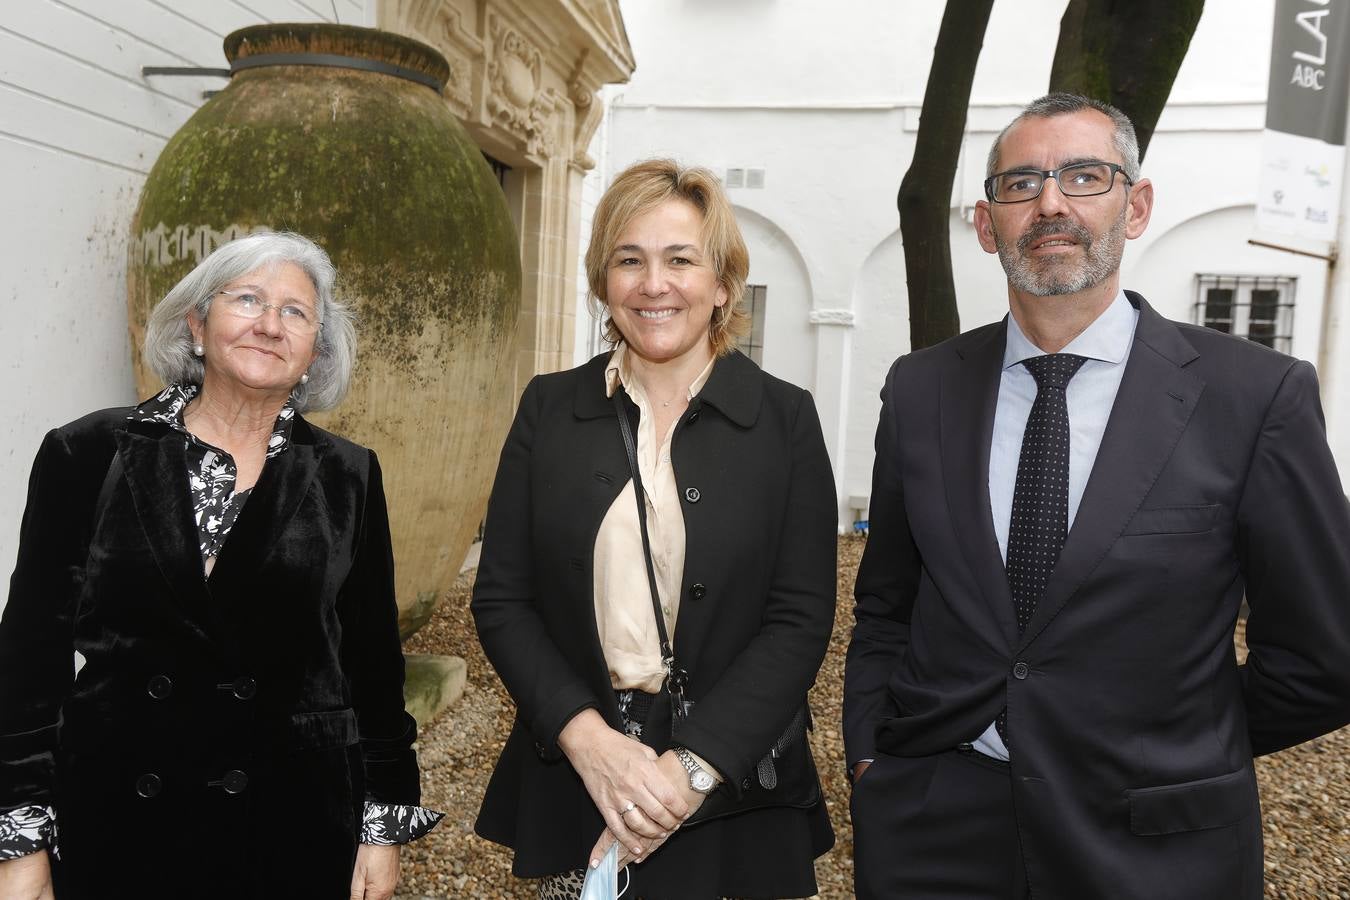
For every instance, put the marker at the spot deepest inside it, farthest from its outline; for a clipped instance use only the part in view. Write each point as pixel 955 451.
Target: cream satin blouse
pixel 623 606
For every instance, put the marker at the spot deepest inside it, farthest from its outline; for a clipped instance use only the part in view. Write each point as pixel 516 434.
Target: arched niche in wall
pixel 880 305
pixel 776 263
pixel 1215 243
pixel 880 334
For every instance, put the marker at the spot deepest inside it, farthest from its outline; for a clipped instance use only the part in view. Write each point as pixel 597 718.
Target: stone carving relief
pixel 505 74
pixel 516 97
pixel 588 115
pixel 160 246
pixel 461 48
pixel 459 86
pixel 442 26
pixel 415 16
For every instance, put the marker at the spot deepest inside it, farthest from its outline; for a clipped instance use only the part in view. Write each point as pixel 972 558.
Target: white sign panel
pixel 1303 154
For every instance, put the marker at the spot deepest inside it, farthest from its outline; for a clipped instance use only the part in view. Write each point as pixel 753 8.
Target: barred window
pixel 1257 307
pixel 752 344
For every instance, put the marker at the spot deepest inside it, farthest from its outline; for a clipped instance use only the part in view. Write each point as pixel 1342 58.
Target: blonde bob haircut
pixel 641 188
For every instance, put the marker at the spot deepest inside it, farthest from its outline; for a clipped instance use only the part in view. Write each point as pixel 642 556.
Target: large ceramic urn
pixel 340 133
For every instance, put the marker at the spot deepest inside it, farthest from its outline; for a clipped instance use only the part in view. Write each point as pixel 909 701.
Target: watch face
pixel 701 781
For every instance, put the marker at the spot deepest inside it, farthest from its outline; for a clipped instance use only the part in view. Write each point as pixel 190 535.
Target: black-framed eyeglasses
pixel 1087 179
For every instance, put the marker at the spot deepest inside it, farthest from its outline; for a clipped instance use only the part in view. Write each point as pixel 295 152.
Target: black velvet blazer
pixel 758 593
pixel 232 726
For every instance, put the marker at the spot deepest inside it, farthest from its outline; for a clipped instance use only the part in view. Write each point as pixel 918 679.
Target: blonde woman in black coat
pixel 224 568
pixel 740 509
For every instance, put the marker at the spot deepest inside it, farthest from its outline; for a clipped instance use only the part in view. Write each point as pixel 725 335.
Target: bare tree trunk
pixel 1126 52
pixel 926 191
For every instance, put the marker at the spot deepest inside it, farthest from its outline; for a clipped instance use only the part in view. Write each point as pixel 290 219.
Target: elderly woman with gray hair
pixel 224 568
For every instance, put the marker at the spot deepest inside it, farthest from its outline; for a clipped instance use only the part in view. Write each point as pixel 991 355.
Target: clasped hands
pixel 643 797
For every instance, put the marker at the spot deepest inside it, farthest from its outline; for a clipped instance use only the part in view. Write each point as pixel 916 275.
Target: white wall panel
pixel 68 56
pixel 41 121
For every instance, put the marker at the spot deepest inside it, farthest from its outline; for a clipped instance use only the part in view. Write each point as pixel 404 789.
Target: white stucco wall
pixel 80 128
pixel 827 100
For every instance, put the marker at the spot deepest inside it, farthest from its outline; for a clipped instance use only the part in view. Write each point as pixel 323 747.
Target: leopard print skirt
pixel 566 886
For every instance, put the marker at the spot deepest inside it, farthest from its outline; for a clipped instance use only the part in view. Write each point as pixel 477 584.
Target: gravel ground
pixel 1305 791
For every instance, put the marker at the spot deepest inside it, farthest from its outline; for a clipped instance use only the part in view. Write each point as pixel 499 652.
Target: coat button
pixel 698 592
pixel 234 782
pixel 540 749
pixel 159 687
pixel 692 494
pixel 1021 670
pixel 242 688
pixel 149 785
pixel 693 417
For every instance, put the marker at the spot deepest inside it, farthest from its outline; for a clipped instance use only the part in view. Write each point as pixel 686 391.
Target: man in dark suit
pixel 1068 506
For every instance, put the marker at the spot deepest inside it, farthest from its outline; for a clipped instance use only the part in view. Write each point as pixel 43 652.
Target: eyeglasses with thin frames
pixel 1085 179
pixel 246 303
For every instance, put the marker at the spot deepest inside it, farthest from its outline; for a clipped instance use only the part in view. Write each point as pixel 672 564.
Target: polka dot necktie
pixel 1040 508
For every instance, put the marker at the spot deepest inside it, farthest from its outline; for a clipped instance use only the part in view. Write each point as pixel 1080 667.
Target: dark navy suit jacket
pixel 1135 726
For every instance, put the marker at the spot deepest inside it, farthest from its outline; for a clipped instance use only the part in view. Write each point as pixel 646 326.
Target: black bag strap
pixel 676 677
pixel 110 480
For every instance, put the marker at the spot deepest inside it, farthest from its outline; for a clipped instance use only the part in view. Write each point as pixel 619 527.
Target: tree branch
pixel 1126 52
pixel 925 194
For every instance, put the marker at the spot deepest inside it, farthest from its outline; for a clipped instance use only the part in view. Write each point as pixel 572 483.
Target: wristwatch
pixel 700 779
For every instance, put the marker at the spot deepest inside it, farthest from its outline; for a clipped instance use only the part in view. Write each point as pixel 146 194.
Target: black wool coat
pixel 224 732
pixel 756 610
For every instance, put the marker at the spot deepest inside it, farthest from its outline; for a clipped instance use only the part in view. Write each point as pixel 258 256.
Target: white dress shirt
pixel 1090 395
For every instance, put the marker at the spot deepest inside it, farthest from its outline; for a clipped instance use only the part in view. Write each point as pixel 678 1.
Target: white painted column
pixel 834 345
pixel 1334 367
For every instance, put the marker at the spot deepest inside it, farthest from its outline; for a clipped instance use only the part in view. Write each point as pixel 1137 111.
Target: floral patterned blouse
pixel 216 505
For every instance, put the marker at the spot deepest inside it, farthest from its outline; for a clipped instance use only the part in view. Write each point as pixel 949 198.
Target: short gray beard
pixel 1048 277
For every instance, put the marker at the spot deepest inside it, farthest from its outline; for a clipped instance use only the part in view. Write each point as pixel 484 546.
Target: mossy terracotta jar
pixel 340 133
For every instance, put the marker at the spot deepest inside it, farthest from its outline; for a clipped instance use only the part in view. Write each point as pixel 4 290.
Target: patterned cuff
pixel 26 830
pixel 387 823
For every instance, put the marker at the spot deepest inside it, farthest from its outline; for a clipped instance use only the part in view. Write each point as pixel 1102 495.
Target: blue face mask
pixel 602 882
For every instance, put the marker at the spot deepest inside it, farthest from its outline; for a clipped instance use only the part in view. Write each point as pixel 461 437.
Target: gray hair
pixel 1063 104
pixel 168 340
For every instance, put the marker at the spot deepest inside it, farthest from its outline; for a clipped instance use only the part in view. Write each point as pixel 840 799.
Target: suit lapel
pixel 595 448
pixel 156 473
pixel 282 486
pixel 969 395
pixel 1155 401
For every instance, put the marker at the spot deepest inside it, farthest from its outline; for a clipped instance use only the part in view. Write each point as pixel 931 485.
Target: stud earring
pixel 304 379
pixel 198 350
